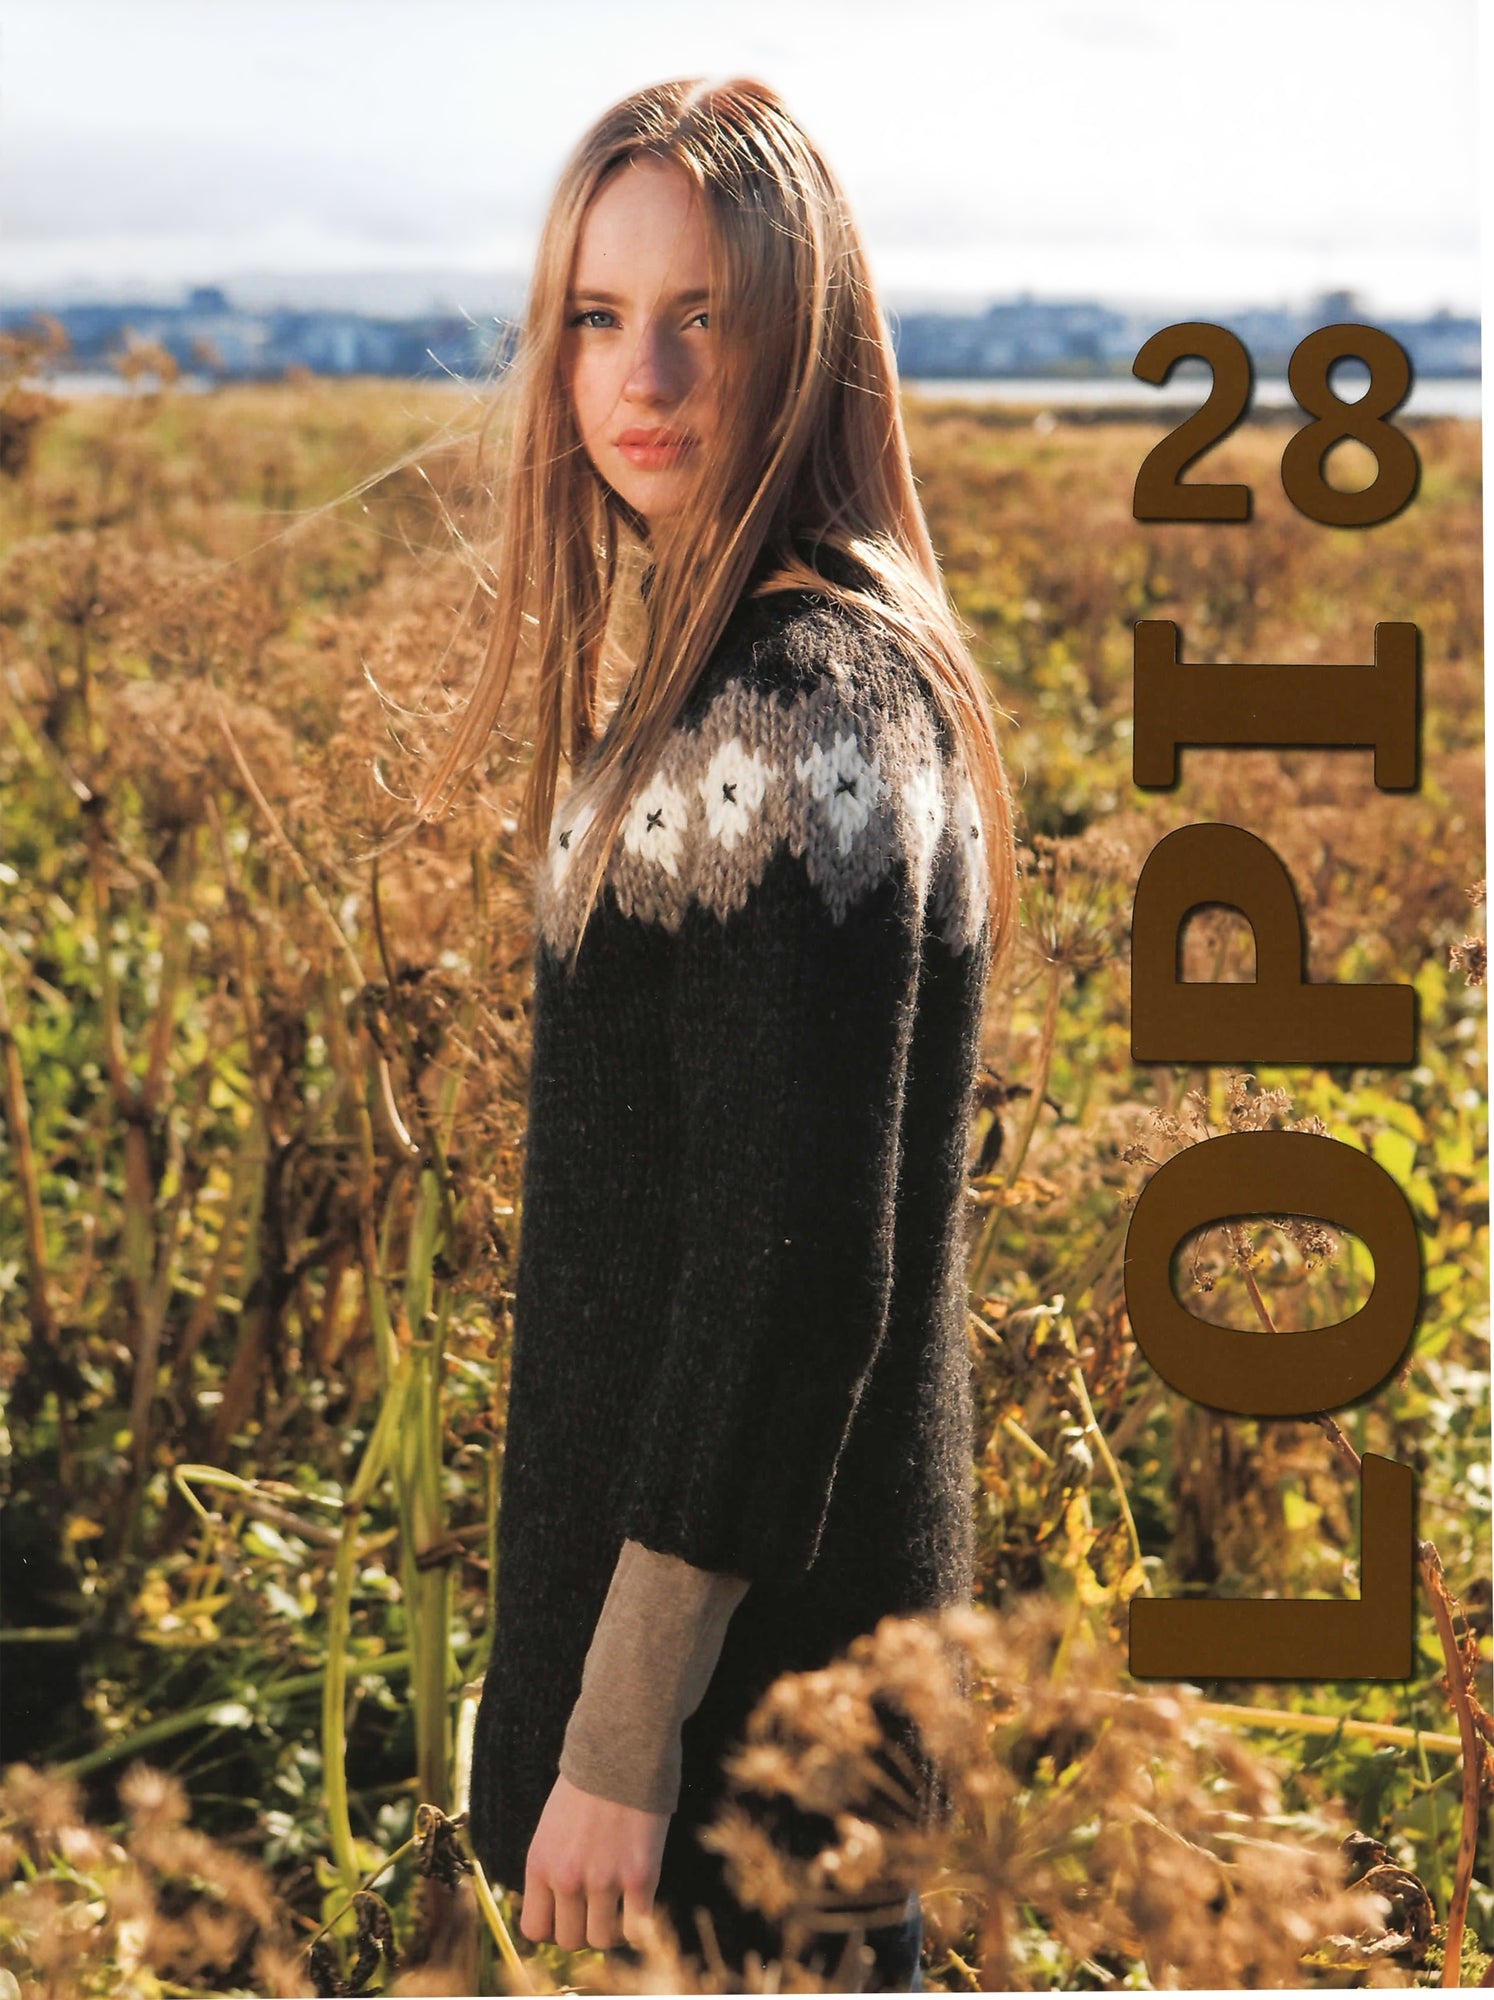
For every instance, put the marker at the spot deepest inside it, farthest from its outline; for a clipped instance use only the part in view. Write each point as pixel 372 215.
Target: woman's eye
pixel 593 316
pixel 701 319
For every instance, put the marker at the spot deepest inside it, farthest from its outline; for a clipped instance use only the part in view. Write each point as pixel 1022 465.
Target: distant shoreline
pixel 1067 399
pixel 1096 398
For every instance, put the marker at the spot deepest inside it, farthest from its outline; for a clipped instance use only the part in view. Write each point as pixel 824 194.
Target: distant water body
pixel 1436 397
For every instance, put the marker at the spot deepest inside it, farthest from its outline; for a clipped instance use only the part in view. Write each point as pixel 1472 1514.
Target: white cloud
pixel 1149 146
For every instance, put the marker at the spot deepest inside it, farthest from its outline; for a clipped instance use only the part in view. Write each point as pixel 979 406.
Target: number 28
pixel 1160 493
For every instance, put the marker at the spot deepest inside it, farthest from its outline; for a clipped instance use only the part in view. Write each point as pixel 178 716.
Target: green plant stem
pixel 367 1883
pixel 377 1454
pixel 18 1121
pixel 1288 1722
pixel 431 1596
pixel 518 1972
pixel 176 1724
pixel 334 1703
pixel 1029 1444
pixel 1473 1762
pixel 240 1382
pixel 1091 1423
pixel 250 1494
pixel 424 1541
pixel 371 1254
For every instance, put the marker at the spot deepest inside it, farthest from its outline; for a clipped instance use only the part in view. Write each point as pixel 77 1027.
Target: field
pixel 263 1119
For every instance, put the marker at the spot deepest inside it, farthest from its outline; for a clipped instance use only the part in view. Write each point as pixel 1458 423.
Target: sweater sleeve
pixel 796 975
pixel 651 1658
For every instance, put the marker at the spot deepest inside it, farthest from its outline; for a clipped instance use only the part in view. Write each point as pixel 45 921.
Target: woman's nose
pixel 654 373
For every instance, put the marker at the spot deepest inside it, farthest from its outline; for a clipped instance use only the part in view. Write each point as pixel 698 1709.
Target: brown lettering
pixel 1269 707
pixel 1272 1173
pixel 1397 467
pixel 1277 1017
pixel 1160 494
pixel 1274 1639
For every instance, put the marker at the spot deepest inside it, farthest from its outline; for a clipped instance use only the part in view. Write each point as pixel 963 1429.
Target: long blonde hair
pixel 815 455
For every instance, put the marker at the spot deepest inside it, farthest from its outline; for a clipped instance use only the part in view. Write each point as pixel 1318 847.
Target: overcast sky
pixel 1158 150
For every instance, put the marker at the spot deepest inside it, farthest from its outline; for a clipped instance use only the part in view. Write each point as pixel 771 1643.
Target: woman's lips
pixel 653 450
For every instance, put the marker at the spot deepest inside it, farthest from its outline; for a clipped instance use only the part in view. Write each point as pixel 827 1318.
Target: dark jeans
pixel 694 1877
pixel 895 1948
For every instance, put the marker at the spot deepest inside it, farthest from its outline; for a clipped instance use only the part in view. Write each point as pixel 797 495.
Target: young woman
pixel 738 1430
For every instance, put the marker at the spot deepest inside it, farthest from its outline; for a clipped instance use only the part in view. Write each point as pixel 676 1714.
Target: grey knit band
pixel 848 781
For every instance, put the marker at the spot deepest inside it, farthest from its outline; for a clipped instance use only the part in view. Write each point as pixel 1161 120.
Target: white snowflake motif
pixel 968 883
pixel 655 823
pixel 923 801
pixel 569 828
pixel 733 788
pixel 845 784
pixel 966 811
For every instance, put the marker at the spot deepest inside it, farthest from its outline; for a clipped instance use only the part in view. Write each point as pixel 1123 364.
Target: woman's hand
pixel 586 1853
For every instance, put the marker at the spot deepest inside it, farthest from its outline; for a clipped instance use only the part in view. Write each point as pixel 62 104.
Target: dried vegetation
pixel 263 1118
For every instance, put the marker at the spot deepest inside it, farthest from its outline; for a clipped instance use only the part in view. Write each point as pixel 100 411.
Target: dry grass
pixel 218 1240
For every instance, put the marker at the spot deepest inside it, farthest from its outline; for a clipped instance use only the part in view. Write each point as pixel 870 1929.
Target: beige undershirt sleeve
pixel 651 1658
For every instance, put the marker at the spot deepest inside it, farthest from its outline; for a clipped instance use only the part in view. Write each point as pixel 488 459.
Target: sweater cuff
pixel 651 1658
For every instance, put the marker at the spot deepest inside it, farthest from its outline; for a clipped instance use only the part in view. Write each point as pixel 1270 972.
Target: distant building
pixel 1032 337
pixel 1020 337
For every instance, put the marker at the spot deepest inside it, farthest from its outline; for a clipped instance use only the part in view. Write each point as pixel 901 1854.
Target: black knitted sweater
pixel 739 1307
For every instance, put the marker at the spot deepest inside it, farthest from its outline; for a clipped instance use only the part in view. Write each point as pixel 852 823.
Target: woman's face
pixel 640 356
